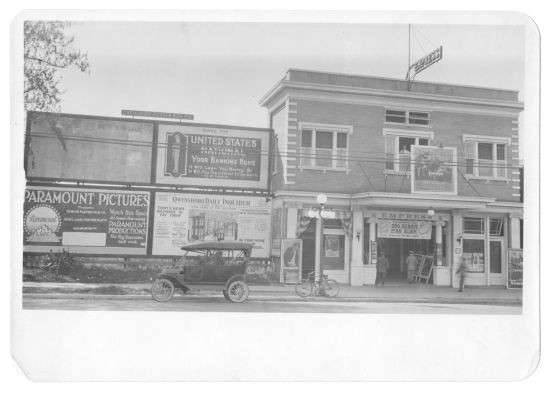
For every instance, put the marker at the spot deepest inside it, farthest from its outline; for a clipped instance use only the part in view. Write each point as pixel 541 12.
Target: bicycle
pixel 323 287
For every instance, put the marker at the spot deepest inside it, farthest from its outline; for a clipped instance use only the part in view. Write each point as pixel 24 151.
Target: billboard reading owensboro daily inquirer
pixel 213 156
pixel 90 221
pixel 183 219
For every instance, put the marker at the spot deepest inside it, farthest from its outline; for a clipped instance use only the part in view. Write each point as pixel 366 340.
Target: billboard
pixel 183 218
pixel 81 148
pixel 404 229
pixel 212 156
pixel 82 220
pixel 433 170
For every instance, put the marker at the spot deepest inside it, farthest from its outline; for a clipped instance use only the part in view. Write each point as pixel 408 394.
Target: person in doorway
pixel 382 266
pixel 461 272
pixel 411 262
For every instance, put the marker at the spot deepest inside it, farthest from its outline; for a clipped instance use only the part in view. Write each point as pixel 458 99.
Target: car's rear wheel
pixel 237 291
pixel 162 290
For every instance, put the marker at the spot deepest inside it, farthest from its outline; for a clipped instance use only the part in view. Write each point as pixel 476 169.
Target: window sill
pixel 325 169
pixel 408 125
pixel 477 178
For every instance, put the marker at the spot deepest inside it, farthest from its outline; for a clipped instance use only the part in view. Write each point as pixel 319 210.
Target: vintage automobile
pixel 216 265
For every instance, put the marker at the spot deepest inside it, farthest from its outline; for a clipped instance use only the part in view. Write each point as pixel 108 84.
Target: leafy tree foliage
pixel 47 50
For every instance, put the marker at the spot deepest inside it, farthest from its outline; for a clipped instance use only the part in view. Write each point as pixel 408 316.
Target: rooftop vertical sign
pixel 424 63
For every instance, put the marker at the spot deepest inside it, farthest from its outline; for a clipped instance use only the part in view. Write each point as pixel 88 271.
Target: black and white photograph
pixel 302 168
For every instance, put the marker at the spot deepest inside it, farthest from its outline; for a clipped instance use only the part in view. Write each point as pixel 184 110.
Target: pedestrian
pixel 461 271
pixel 382 266
pixel 411 262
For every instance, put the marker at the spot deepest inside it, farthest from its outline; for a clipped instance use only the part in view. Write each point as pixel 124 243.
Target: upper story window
pixel 485 156
pixel 324 146
pixel 408 117
pixel 398 147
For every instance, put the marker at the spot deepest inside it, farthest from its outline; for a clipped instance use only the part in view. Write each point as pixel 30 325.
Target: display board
pixel 433 170
pixel 183 218
pixel 213 156
pixel 80 148
pixel 403 229
pixel 82 220
pixel 515 268
pixel 291 262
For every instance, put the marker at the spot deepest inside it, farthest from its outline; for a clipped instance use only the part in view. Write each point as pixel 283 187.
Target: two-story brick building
pixel 431 168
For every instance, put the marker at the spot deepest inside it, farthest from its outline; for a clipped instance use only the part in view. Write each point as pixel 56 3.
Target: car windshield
pixel 215 256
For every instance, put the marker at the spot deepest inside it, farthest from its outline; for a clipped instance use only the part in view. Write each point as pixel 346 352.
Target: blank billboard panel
pixel 79 148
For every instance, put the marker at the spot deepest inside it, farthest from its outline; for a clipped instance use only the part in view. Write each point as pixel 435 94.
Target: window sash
pixel 473 225
pixel 489 163
pixel 408 117
pixel 315 150
pixel 400 161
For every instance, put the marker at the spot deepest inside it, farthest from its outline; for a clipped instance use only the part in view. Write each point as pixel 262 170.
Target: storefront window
pixel 474 255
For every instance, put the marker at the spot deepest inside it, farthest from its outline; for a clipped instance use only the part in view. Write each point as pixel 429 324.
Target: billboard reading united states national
pixel 83 220
pixel 213 156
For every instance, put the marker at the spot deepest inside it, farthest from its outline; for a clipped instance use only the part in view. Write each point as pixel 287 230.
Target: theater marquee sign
pixel 195 155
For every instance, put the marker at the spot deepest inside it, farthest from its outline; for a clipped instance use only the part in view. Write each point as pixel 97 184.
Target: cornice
pixel 336 90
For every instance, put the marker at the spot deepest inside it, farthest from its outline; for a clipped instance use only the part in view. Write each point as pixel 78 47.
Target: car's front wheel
pixel 237 291
pixel 162 290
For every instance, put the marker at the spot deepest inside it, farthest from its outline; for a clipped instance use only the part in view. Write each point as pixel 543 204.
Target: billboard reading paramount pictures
pixel 182 219
pixel 95 221
pixel 195 155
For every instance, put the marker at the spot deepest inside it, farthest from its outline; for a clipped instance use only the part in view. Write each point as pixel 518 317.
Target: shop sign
pixel 85 220
pixel 398 229
pixel 406 215
pixel 433 170
pixel 184 218
pixel 515 268
pixel 194 155
pixel 156 114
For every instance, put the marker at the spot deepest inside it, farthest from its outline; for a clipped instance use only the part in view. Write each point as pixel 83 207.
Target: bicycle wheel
pixel 304 289
pixel 330 288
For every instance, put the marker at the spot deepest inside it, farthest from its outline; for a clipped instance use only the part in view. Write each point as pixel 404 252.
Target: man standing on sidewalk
pixel 461 271
pixel 411 262
pixel 382 266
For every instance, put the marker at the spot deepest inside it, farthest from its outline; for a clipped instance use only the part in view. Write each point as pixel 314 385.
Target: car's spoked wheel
pixel 162 290
pixel 237 291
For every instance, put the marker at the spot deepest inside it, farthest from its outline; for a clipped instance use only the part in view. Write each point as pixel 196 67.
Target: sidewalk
pixel 403 293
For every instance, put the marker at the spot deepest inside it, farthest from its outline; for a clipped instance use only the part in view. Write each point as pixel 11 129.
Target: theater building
pixel 431 168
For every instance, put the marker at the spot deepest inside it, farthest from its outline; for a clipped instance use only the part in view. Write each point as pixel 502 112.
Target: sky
pixel 218 71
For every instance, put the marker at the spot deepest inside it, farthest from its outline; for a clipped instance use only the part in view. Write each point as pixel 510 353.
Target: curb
pixel 281 298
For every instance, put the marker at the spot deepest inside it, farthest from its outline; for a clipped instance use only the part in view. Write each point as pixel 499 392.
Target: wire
pixel 365 157
pixel 422 34
pixel 418 41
